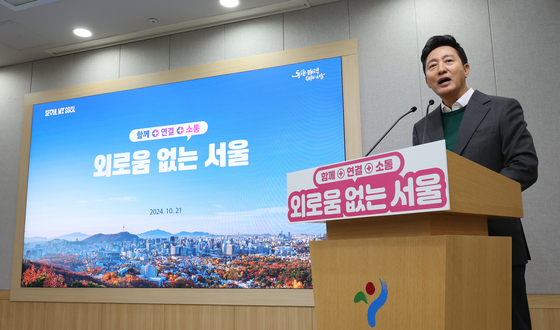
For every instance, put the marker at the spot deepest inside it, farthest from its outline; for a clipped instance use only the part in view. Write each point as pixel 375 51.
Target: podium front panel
pixel 424 282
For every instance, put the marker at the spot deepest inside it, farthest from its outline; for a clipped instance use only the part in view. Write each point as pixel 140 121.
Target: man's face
pixel 446 74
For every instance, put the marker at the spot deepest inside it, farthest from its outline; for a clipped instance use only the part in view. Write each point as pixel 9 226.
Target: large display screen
pixel 180 185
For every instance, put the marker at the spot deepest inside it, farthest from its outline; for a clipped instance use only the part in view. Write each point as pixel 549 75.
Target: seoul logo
pixel 376 304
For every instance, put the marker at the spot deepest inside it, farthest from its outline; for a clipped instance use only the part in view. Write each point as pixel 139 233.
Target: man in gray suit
pixel 488 130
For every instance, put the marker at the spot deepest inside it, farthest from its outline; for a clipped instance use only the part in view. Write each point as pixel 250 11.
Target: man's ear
pixel 425 77
pixel 467 69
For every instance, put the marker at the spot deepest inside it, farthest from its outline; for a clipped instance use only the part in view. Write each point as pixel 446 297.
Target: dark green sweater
pixel 451 122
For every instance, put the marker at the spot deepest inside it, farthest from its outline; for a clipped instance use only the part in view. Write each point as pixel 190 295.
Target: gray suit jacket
pixel 493 133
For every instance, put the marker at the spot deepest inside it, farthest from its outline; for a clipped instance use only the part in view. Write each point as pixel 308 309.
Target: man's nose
pixel 442 69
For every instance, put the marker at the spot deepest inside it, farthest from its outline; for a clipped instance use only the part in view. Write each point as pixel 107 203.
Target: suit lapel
pixel 474 114
pixel 435 128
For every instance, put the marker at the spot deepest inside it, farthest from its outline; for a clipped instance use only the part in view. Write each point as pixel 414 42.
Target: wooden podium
pixel 431 270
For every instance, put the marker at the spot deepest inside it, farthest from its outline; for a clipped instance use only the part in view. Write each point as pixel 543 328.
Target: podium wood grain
pixel 434 282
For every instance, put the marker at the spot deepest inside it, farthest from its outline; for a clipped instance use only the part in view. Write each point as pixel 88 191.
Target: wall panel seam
pixel 492 47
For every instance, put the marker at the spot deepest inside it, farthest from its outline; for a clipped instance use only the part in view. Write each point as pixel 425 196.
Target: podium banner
pixel 408 180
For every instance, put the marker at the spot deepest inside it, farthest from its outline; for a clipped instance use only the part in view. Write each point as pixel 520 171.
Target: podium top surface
pixel 474 189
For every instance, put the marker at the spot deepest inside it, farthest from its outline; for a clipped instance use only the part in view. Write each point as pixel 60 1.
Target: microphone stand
pixel 426 121
pixel 410 111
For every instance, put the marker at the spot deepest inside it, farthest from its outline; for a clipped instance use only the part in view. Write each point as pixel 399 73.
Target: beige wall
pixel 545 314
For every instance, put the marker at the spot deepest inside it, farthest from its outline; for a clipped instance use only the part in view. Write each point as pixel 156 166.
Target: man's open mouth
pixel 443 80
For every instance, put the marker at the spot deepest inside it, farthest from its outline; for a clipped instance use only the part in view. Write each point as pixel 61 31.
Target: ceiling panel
pixel 44 28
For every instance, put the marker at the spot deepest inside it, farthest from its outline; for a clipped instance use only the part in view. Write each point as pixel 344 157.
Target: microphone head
pixel 413 109
pixel 431 102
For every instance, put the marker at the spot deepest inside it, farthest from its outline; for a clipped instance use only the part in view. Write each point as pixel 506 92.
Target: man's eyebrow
pixel 443 57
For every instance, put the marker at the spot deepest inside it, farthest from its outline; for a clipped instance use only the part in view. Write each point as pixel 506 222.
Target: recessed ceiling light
pixel 82 33
pixel 229 3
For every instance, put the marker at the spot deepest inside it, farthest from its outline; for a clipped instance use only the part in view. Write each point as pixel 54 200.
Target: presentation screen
pixel 171 185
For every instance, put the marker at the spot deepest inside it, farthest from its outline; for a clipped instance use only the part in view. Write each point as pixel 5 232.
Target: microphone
pixel 430 103
pixel 409 111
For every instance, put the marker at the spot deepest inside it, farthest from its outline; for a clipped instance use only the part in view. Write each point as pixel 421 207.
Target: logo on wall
pixel 375 304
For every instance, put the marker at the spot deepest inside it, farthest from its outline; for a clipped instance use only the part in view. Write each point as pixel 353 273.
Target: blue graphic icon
pixel 376 304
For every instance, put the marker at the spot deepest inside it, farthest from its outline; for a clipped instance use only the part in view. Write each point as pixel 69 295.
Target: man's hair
pixel 439 41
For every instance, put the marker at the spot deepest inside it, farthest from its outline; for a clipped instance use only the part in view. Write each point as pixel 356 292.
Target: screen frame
pixel 346 50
